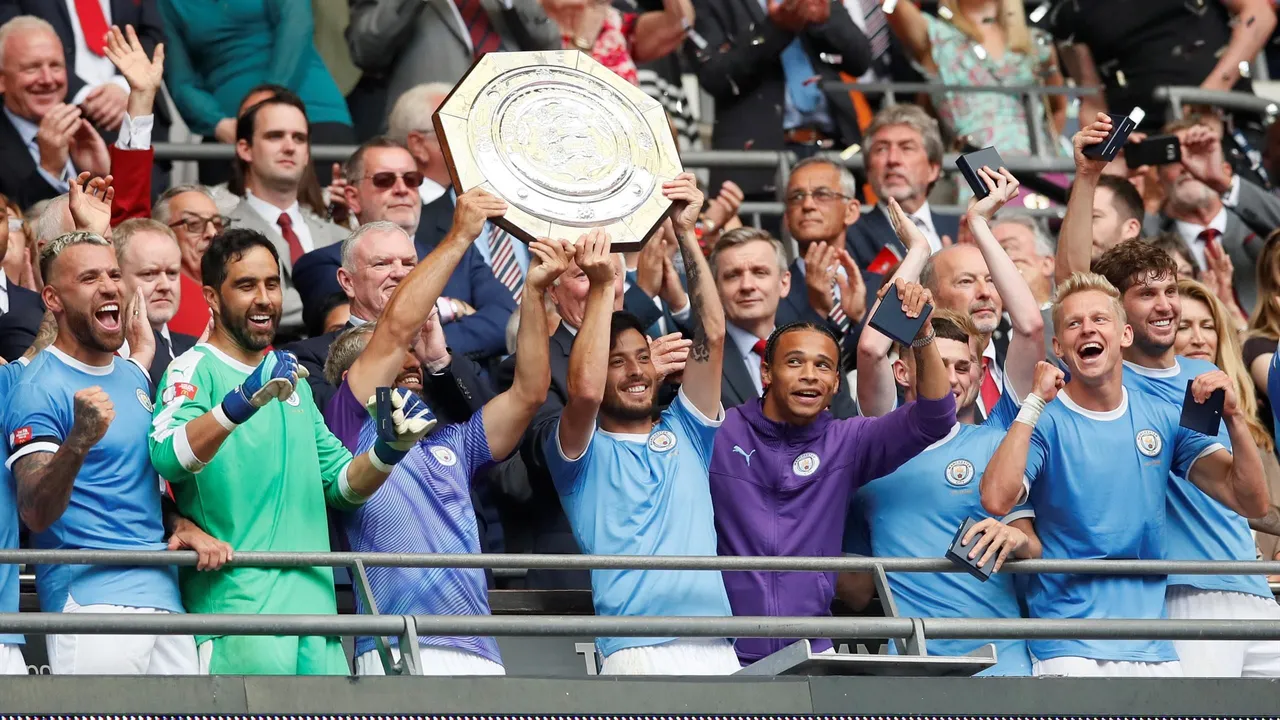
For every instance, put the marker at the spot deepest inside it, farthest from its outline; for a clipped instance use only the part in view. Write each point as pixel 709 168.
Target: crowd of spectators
pixel 720 391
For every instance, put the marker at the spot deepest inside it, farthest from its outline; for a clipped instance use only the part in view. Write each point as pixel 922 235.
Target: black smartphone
pixel 892 321
pixel 1159 150
pixel 970 163
pixel 1206 417
pixel 1121 127
pixel 382 418
pixel 958 553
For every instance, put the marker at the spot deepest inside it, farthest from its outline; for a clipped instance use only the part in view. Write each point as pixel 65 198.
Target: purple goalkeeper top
pixel 781 489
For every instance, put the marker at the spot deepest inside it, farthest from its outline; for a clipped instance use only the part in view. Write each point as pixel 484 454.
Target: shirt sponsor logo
pixel 806 465
pixel 21 436
pixel 662 441
pixel 176 390
pixel 959 473
pixel 746 455
pixel 144 400
pixel 1149 443
pixel 444 455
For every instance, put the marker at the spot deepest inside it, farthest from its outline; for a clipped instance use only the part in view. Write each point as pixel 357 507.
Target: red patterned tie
pixel 290 237
pixel 758 349
pixel 93 24
pixel 483 38
pixel 989 390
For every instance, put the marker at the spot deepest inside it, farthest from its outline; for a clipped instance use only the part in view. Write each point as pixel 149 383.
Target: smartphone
pixel 970 163
pixel 1159 150
pixel 1121 127
pixel 1206 417
pixel 893 322
pixel 382 400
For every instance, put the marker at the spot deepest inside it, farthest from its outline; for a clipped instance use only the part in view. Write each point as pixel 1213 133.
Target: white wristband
pixel 221 416
pixel 1032 406
pixel 378 465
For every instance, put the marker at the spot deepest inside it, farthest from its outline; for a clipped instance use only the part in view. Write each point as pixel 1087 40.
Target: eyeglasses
pixel 821 195
pixel 387 180
pixel 196 224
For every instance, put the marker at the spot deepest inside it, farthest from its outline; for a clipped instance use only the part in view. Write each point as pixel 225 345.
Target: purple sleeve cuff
pixel 934 418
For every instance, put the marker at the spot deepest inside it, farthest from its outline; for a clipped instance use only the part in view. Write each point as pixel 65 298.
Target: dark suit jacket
pixel 311 353
pixel 742 70
pixel 19 326
pixel 873 231
pixel 795 307
pixel 181 343
pixel 21 181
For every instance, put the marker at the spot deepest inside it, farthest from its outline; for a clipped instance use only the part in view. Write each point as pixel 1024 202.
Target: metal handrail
pixel 1070 91
pixel 634 562
pixel 1179 95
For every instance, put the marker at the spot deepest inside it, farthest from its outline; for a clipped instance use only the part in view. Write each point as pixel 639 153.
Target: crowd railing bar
pixel 634 562
pixel 1179 95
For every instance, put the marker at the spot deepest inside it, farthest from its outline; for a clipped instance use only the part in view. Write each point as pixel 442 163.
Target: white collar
pixel 1190 231
pixel 951 434
pixel 356 321
pixel 1151 372
pixel 81 366
pixel 430 190
pixel 27 130
pixel 234 363
pixel 742 339
pixel 1106 416
pixel 270 212
pixel 924 213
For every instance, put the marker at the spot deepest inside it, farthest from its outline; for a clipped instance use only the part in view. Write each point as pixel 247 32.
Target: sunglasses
pixel 387 180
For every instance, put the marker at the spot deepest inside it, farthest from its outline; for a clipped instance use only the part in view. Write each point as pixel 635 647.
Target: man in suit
pixel 903 152
pixel 417 41
pixel 384 180
pixel 751 275
pixel 1206 202
pixel 21 311
pixel 760 64
pixel 273 150
pixel 151 264
pixel 44 141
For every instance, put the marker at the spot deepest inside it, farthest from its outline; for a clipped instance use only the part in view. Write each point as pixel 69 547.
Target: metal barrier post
pixel 360 579
pixel 410 654
pixel 1033 106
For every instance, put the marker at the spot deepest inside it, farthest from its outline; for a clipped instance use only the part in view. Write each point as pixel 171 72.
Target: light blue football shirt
pixel 1098 483
pixel 645 495
pixel 9 593
pixel 115 502
pixel 1199 527
pixel 424 507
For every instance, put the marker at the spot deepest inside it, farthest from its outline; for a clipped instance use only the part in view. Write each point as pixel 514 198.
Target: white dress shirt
pixel 93 69
pixel 1190 232
pixel 923 219
pixel 4 294
pixel 430 190
pixel 271 214
pixel 28 130
pixel 744 341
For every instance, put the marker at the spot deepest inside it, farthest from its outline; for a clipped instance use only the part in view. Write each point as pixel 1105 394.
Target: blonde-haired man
pixel 1095 466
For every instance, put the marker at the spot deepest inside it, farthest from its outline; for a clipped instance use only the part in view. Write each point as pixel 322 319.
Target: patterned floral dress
pixel 613 44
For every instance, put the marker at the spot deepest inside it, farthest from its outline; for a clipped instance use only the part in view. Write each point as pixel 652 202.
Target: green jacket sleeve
pixel 199 108
pixel 185 394
pixel 292 31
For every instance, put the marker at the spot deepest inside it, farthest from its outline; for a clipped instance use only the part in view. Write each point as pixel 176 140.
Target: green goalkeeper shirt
pixel 266 488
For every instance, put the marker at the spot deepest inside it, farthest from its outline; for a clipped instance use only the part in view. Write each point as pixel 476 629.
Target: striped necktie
pixel 476 18
pixel 877 28
pixel 502 258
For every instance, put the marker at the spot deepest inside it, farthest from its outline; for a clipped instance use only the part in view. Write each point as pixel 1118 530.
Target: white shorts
pixel 1224 658
pixel 11 660
pixel 1088 667
pixel 120 654
pixel 683 656
pixel 435 661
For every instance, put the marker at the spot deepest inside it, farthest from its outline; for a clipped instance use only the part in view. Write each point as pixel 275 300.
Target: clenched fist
pixel 93 415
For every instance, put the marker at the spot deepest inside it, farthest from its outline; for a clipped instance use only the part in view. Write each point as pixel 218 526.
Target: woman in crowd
pixel 16 260
pixel 218 49
pixel 620 40
pixel 1264 326
pixel 983 43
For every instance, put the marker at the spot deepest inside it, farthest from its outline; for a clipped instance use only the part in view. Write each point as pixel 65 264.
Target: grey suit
pixel 1256 214
pixel 421 41
pixel 323 233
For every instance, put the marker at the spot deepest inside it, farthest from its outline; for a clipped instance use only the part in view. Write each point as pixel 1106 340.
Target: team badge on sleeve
pixel 662 441
pixel 806 465
pixel 444 455
pixel 1149 443
pixel 144 400
pixel 959 473
pixel 177 390
pixel 21 436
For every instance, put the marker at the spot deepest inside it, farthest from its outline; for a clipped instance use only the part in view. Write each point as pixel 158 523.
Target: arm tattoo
pixel 1269 524
pixel 698 352
pixel 44 483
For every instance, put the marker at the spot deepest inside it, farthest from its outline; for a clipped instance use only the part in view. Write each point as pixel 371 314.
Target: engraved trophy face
pixel 566 142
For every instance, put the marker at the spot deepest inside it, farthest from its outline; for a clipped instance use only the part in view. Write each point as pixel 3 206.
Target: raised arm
pixel 1235 480
pixel 877 391
pixel 701 380
pixel 910 25
pixel 661 32
pixel 507 416
pixel 1026 347
pixel 589 358
pixel 1075 239
pixel 1251 24
pixel 1004 481
pixel 410 305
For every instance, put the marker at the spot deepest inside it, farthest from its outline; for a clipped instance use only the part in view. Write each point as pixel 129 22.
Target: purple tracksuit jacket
pixel 780 489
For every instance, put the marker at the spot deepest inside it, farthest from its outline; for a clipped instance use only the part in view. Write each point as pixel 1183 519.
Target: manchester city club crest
pixel 444 455
pixel 806 465
pixel 145 400
pixel 1149 442
pixel 959 473
pixel 662 441
pixel 294 399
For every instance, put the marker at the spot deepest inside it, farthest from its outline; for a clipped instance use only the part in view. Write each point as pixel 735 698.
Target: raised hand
pixel 790 15
pixel 53 137
pixel 1003 186
pixel 127 54
pixel 1091 134
pixel 997 539
pixel 1205 385
pixel 819 267
pixel 686 201
pixel 548 259
pixel 88 150
pixel 137 330
pixel 906 230
pixel 914 297
pixel 411 420
pixel 649 261
pixel 853 291
pixel 669 354
pixel 1048 381
pixel 93 413
pixel 339 209
pixel 594 257
pixel 432 349
pixel 1202 157
pixel 105 106
pixel 90 203
pixel 475 207
pixel 724 207
pixel 274 379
